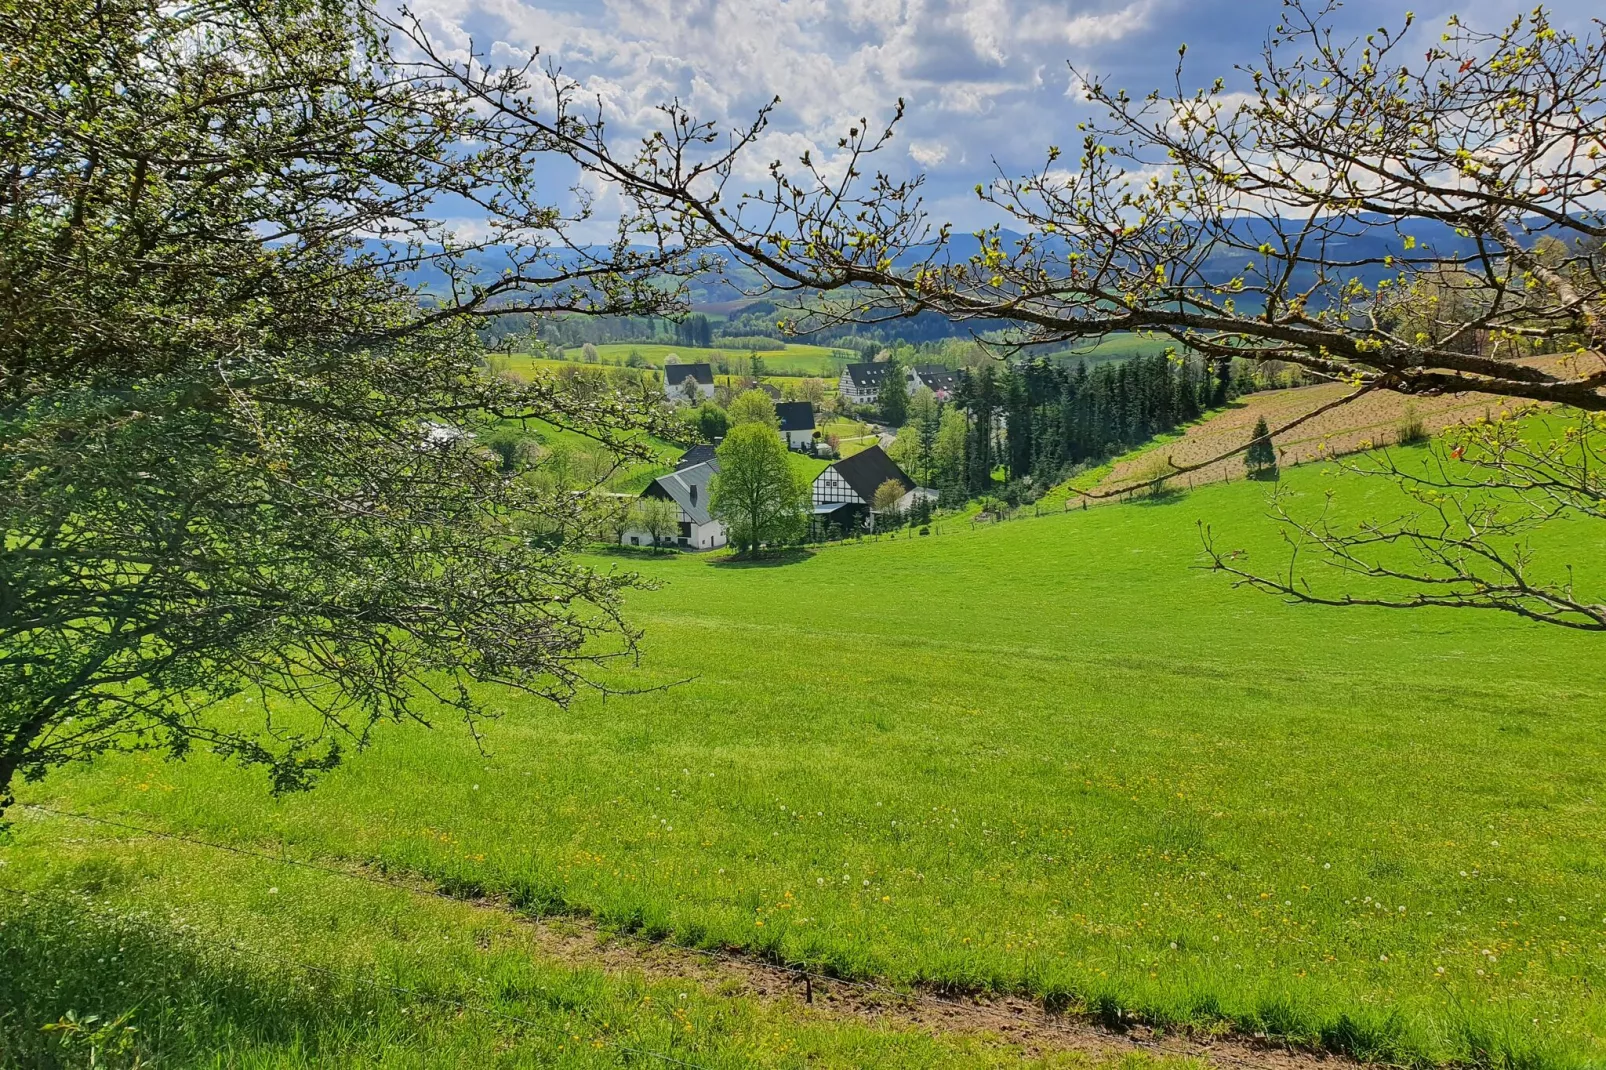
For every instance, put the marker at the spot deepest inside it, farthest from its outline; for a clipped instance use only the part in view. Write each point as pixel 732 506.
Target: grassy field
pixel 207 959
pixel 1050 756
pixel 794 360
pixel 1114 347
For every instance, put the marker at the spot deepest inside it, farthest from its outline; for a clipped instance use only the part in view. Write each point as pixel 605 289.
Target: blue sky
pixel 984 79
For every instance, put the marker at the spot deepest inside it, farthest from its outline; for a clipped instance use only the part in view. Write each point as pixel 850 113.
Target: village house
pixel 688 487
pixel 699 390
pixel 844 494
pixel 796 420
pixel 944 382
pixel 861 383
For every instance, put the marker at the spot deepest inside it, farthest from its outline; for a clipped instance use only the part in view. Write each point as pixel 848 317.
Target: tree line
pixel 1018 429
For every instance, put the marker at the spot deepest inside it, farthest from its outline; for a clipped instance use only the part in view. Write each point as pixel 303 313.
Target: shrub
pixel 1411 431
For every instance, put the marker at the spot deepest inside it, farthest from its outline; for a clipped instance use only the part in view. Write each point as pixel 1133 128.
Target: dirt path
pixel 577 940
pixel 1014 1020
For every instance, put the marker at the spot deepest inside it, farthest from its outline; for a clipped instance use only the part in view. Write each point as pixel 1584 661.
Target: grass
pixel 852 435
pixel 794 360
pixel 1122 346
pixel 1050 756
pixel 172 955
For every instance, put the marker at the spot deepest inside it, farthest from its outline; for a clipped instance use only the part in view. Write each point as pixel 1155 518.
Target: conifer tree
pixel 1261 458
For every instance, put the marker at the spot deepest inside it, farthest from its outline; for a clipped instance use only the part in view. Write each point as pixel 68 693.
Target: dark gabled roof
pixel 868 469
pixel 695 455
pixel 937 377
pixel 869 374
pixel 688 488
pixel 675 374
pixel 795 415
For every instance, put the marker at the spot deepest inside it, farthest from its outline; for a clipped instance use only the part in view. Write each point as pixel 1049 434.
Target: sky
pixel 985 80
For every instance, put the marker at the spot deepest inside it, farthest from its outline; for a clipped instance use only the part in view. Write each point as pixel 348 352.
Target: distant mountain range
pixel 1366 245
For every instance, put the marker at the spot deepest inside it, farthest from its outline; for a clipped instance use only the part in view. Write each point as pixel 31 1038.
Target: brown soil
pixel 1373 420
pixel 1014 1020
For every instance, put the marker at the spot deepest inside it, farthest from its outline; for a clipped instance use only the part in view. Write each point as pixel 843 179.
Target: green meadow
pixel 795 360
pixel 1052 756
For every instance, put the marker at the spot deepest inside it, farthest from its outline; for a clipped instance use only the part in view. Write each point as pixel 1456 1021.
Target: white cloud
pixel 928 154
pixel 983 79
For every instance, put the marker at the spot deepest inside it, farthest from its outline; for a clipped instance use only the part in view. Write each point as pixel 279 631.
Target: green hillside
pixel 1051 756
pixel 794 360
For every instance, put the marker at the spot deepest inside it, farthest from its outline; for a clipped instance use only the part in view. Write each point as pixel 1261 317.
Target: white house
pixel 861 383
pixel 797 424
pixel 844 494
pixel 944 382
pixel 688 488
pixel 676 388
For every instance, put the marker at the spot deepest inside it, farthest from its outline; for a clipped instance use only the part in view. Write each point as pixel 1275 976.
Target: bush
pixel 1411 431
pixel 751 342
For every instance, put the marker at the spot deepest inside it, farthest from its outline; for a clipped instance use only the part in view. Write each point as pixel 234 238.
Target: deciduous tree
pixel 757 493
pixel 237 453
pixel 659 518
pixel 753 407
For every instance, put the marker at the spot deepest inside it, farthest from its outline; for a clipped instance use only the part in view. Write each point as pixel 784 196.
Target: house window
pixel 694 494
pixel 634 541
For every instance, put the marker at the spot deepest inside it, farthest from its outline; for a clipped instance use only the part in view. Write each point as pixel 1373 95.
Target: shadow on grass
pixel 772 559
pixel 165 998
pixel 639 553
pixel 1166 495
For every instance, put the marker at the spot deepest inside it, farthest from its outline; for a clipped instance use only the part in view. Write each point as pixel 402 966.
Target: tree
pixel 659 518
pixel 1261 457
pixel 886 499
pixel 906 449
pixel 688 390
pixel 948 453
pixel 237 453
pixel 757 493
pixel 588 353
pixel 617 517
pixel 753 407
pixel 979 397
pixel 924 406
pixel 695 330
pixel 892 397
pixel 712 421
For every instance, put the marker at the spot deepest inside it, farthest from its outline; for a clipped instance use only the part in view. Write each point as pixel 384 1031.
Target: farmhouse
pixel 675 386
pixel 944 382
pixel 860 383
pixel 844 494
pixel 797 424
pixel 688 489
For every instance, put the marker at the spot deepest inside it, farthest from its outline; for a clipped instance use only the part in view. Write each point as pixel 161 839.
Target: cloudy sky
pixel 984 79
